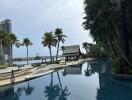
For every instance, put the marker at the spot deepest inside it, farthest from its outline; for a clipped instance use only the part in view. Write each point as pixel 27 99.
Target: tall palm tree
pixel 49 40
pixel 62 48
pixel 8 40
pixel 60 38
pixel 104 20
pixel 27 43
pixel 2 36
pixel 11 40
pixel 101 21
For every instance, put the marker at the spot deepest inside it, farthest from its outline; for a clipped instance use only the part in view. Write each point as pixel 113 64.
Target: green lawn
pixel 2 66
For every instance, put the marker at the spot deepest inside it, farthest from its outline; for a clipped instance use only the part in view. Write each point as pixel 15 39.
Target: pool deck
pixel 37 72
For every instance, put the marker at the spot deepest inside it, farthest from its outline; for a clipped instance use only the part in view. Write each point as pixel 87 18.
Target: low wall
pixel 122 76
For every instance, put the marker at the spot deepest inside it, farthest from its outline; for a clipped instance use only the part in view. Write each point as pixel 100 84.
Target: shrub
pixel 120 66
pixel 84 56
pixel 116 66
pixel 37 58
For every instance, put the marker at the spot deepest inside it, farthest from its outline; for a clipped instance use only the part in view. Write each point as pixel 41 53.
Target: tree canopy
pixel 109 22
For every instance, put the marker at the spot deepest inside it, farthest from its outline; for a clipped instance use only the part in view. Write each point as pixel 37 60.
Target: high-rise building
pixel 6 26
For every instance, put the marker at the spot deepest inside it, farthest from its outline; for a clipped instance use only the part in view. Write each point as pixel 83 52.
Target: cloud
pixel 31 18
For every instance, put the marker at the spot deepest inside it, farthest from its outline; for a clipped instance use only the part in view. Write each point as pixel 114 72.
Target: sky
pixel 32 18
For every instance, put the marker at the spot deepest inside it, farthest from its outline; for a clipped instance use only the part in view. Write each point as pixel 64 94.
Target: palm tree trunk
pixel 110 44
pixel 57 51
pixel 11 55
pixel 86 50
pixel 123 54
pixel 50 54
pixel 1 47
pixel 27 55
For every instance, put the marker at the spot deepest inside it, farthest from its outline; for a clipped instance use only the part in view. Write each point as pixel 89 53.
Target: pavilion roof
pixel 72 50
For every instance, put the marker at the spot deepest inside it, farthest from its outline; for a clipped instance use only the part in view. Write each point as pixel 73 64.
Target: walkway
pixel 37 72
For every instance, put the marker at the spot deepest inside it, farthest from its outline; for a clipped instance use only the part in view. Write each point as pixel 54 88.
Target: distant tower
pixel 6 26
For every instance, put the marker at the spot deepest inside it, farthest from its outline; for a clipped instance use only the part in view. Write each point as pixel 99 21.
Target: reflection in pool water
pixel 54 91
pixel 89 81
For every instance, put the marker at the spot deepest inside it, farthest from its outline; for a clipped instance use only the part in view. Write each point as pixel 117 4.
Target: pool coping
pixel 23 79
pixel 122 76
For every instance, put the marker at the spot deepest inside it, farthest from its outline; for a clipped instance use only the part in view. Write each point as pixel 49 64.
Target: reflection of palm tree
pixel 64 94
pixel 29 89
pixel 59 79
pixel 14 95
pixel 51 79
pixel 9 94
pixel 52 91
pixel 88 71
pixel 64 72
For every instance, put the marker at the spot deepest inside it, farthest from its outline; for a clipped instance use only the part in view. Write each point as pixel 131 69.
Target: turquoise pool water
pixel 89 81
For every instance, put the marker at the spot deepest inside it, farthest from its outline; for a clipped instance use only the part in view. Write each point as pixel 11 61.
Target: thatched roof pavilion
pixel 72 52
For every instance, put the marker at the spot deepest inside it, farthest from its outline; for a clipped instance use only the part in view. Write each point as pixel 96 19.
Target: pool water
pixel 88 81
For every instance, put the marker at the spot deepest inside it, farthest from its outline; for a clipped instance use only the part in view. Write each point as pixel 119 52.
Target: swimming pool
pixel 88 81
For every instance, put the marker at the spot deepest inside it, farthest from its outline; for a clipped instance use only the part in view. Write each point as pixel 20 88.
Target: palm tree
pixel 2 36
pixel 49 40
pixel 7 40
pixel 85 46
pixel 60 38
pixel 27 43
pixel 105 20
pixel 101 21
pixel 11 40
pixel 88 71
pixel 62 48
